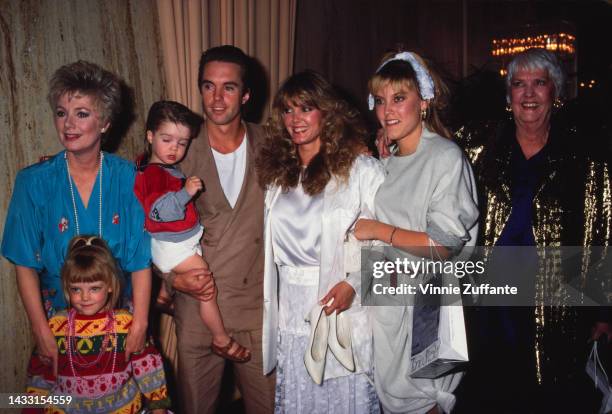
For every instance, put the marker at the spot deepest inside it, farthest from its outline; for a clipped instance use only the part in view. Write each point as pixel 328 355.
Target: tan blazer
pixel 233 238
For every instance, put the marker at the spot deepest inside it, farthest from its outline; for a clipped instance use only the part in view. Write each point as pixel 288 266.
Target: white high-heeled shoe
pixel 339 340
pixel 314 358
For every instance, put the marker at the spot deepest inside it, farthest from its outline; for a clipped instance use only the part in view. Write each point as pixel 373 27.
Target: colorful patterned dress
pixel 94 373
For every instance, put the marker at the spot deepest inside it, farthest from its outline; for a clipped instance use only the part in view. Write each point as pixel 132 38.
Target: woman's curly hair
pixel 342 137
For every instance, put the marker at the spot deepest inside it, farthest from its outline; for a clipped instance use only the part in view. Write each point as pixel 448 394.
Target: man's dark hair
pixel 229 54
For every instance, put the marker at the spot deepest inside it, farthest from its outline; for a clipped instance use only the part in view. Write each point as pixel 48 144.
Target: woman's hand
pixel 342 294
pixel 367 229
pixel 600 329
pixel 46 346
pixel 141 296
pixel 382 144
pixel 28 284
pixel 364 229
pixel 135 341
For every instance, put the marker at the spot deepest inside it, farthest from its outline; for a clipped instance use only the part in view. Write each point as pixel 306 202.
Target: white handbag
pixel 438 346
pixel 439 342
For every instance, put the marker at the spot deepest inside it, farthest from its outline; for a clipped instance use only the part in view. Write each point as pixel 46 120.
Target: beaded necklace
pixel 76 360
pixel 74 208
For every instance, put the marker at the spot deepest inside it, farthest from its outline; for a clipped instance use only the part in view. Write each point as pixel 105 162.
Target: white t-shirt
pixel 231 168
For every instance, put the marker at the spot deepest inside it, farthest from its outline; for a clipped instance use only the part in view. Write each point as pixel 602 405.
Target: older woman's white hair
pixel 533 59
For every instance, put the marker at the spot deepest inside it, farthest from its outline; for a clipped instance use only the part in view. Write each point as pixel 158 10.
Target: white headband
pixel 426 85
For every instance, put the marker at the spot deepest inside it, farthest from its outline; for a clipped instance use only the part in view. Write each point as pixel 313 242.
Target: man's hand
pixel 198 283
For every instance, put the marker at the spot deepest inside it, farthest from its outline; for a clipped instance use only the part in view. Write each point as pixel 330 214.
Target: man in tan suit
pixel 231 210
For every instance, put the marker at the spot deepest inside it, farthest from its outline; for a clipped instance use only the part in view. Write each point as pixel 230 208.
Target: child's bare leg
pixel 209 312
pixel 164 302
pixel 163 296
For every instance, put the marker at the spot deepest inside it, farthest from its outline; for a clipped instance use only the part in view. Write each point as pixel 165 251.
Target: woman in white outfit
pixel 318 185
pixel 428 199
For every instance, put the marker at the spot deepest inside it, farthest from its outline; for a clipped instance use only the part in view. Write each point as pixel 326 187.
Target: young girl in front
pixel 91 335
pixel 172 219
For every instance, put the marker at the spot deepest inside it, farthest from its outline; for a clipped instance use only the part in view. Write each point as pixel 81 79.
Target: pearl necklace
pixel 74 208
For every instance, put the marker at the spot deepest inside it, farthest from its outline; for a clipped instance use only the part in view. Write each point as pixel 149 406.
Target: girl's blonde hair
pixel 400 75
pixel 89 260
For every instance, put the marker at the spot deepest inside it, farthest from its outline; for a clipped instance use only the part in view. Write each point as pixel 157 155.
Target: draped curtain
pixel 263 29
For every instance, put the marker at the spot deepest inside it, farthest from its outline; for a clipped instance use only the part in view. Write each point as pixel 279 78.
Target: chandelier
pixel 555 42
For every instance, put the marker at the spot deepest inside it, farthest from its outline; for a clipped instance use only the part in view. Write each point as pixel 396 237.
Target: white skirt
pixel 296 392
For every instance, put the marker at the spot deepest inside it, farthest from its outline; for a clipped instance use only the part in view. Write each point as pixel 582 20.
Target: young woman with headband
pixel 428 199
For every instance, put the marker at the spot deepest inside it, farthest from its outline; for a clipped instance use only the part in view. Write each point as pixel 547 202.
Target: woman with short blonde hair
pixel 81 190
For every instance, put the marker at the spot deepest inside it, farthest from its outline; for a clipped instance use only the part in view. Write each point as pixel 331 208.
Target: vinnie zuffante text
pixel 413 268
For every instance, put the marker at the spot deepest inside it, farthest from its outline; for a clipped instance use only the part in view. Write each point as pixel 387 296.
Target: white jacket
pixel 343 204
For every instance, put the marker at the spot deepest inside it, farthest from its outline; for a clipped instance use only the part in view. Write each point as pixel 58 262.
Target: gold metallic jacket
pixel 572 207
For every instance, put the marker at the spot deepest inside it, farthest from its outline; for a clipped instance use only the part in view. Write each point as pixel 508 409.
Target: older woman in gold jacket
pixel 538 187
